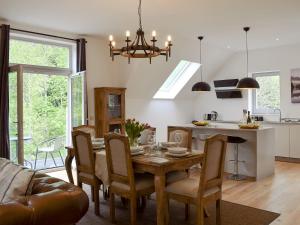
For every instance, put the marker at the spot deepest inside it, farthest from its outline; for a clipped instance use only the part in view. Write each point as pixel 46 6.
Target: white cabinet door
pixel 295 141
pixel 282 140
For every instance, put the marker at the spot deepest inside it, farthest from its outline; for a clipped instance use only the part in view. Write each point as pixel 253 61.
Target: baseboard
pixel 287 159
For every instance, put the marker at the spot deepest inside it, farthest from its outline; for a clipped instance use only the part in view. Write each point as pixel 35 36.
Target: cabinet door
pixel 295 141
pixel 282 140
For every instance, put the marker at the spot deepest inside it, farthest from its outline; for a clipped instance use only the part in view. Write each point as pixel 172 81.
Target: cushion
pixel 14 181
pixel 142 182
pixel 174 176
pixel 189 187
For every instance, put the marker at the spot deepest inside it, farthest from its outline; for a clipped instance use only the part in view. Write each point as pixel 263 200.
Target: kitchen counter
pixel 258 151
pixel 262 122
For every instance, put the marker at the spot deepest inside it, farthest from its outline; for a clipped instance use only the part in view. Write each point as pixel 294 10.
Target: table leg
pixel 160 181
pixel 68 166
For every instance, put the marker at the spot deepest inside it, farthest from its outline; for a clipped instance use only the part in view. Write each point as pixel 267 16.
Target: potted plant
pixel 133 129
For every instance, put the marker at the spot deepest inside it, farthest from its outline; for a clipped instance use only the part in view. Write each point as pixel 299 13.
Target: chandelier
pixel 139 48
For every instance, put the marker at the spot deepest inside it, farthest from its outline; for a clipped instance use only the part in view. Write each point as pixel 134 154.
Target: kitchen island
pixel 257 152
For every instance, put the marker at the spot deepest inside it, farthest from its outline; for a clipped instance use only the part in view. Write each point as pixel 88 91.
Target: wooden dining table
pixel 157 163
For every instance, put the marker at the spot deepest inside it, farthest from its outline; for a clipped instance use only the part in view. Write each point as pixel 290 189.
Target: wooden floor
pixel 279 193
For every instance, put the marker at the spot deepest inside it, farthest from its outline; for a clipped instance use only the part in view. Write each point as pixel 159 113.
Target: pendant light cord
pixel 247 51
pixel 140 14
pixel 200 57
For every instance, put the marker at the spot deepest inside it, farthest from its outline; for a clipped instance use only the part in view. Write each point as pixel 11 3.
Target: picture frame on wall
pixel 295 85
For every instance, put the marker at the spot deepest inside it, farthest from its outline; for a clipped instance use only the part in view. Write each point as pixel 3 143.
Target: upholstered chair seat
pixel 189 187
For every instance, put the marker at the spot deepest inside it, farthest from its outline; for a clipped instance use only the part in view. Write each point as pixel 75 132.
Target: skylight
pixel 177 80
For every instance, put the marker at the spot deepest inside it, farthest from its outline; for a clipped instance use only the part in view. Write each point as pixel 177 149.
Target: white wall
pixel 142 80
pixel 281 59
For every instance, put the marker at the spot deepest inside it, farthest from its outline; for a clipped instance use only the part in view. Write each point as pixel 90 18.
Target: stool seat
pixel 236 140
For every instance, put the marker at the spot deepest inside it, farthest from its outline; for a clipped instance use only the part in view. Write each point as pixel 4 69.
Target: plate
pixel 138 153
pixel 168 144
pixel 177 155
pixel 136 149
pixel 177 150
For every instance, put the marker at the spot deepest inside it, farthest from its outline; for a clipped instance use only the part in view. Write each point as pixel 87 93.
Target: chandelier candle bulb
pixel 111 38
pixel 154 33
pixel 127 33
pixel 113 43
pixel 166 44
pixel 169 38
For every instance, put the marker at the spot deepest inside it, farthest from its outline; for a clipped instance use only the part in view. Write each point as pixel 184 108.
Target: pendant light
pixel 247 82
pixel 201 86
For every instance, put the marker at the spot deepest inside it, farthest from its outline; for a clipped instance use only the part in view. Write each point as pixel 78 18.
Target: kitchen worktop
pixel 225 126
pixel 262 122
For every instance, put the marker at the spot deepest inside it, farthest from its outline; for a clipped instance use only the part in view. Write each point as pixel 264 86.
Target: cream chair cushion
pixel 174 176
pixel 142 182
pixel 189 187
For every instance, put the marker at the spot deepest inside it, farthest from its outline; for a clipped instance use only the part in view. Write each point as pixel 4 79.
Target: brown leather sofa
pixel 52 202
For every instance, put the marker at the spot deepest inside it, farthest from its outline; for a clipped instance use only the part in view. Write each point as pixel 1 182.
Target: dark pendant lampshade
pixel 248 83
pixel 201 86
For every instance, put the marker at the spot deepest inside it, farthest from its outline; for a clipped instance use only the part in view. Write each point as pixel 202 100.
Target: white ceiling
pixel 221 21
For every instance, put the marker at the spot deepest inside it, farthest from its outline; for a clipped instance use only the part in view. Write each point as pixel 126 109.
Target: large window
pixel 177 79
pixel 266 99
pixel 44 98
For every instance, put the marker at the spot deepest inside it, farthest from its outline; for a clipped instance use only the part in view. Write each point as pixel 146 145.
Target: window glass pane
pixel 177 80
pixel 267 97
pixel 31 53
pixel 77 83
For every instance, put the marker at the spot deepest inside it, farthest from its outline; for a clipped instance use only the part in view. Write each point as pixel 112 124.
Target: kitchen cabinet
pixel 295 141
pixel 282 140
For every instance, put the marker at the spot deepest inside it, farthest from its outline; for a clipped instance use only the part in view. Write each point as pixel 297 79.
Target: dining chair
pixel 85 164
pixel 123 181
pixel 185 136
pixel 208 187
pixel 87 129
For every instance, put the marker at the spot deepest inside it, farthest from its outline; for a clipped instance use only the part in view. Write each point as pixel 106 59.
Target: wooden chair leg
pixel 218 212
pixel 144 202
pixel 167 212
pixel 112 207
pixel 187 211
pixel 92 191
pixel 206 214
pixel 96 200
pixel 133 207
pixel 200 215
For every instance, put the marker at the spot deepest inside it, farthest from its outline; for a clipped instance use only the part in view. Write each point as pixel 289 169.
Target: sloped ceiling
pixel 220 20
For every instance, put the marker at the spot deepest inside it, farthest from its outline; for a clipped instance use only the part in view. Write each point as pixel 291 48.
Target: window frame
pixel 256 111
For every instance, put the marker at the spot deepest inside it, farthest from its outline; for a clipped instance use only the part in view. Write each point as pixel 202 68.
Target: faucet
pixel 278 110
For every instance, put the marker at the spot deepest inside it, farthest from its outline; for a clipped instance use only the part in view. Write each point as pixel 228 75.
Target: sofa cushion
pixel 14 181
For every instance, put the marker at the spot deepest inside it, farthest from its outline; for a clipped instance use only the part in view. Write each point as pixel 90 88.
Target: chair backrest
pixel 146 135
pixel 118 158
pixel 213 164
pixel 185 133
pixel 87 129
pixel 84 155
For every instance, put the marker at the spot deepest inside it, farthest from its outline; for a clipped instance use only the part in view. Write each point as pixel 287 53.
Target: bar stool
pixel 236 140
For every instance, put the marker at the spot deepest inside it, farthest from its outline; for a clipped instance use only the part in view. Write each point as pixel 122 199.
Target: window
pixel 177 80
pixel 266 99
pixel 39 53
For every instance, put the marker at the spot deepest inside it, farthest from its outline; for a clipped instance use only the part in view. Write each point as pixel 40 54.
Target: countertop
pixel 261 122
pixel 224 126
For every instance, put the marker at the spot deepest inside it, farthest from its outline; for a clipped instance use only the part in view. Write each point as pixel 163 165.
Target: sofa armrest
pixel 65 206
pixel 13 213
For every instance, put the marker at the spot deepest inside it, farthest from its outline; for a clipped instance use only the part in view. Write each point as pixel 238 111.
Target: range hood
pixel 227 89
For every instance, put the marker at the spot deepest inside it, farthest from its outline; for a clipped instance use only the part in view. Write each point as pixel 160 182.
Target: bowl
pixel 201 123
pixel 168 144
pixel 249 126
